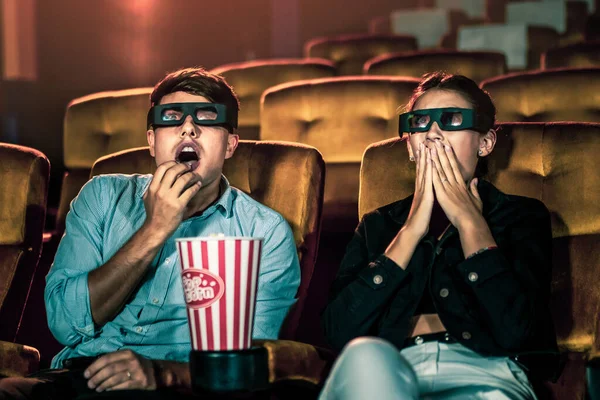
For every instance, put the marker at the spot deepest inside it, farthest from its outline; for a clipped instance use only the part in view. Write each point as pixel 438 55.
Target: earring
pixel 411 158
pixel 480 152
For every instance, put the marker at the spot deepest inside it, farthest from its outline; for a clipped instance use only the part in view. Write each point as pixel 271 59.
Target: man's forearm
pixel 111 284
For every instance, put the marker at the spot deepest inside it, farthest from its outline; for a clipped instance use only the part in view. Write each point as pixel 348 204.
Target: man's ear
pixel 232 143
pixel 150 138
pixel 487 142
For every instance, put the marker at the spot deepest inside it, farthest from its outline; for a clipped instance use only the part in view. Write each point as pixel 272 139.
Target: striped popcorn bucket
pixel 219 277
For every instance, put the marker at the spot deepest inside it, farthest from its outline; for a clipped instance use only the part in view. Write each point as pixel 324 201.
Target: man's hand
pixel 121 370
pixel 173 186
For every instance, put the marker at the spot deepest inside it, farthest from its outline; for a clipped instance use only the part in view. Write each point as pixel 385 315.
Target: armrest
pixel 17 359
pixel 295 361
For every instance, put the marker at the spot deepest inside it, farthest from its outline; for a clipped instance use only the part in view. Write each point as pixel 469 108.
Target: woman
pixel 456 276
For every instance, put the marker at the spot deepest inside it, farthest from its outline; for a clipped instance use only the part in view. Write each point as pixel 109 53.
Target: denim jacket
pixel 495 303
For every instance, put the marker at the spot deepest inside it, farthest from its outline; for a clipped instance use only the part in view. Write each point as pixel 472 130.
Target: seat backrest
pixel 427 25
pixel 250 79
pixel 580 55
pixel 547 96
pixel 541 13
pixel 555 163
pixel 477 65
pixel 341 117
pixel 263 170
pixel 103 123
pixel 24 175
pixel 523 44
pixel 349 52
pixel 94 126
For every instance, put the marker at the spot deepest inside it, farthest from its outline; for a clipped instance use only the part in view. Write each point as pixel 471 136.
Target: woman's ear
pixel 487 142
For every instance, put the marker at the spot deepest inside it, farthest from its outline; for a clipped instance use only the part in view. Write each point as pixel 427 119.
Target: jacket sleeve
pixel 512 282
pixel 363 288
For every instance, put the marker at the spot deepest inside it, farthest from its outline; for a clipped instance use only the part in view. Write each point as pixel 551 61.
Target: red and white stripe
pixel 227 323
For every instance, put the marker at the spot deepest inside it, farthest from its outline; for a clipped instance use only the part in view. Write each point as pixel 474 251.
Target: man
pixel 114 289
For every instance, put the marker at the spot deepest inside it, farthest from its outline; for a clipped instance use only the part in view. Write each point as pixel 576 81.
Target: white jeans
pixel 371 368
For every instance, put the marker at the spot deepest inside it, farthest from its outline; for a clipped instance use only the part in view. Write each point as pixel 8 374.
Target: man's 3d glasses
pixel 448 119
pixel 204 114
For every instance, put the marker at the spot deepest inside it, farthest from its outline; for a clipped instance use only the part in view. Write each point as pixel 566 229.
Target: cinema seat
pixel 24 176
pixel 250 79
pixel 349 52
pixel 580 55
pixel 547 96
pixel 94 126
pixel 340 117
pixel 555 163
pixel 477 65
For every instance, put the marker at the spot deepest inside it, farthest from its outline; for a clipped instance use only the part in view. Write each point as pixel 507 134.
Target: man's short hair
pixel 199 82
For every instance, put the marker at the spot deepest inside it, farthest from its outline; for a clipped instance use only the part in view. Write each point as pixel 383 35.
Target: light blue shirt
pixel 103 217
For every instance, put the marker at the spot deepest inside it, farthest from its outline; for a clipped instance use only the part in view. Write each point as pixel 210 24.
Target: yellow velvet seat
pixel 24 175
pixel 580 55
pixel 287 177
pixel 555 163
pixel 341 117
pixel 349 52
pixel 477 65
pixel 250 79
pixel 94 126
pixel 546 96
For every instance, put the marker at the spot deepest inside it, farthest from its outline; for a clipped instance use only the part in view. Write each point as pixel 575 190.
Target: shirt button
pixel 139 329
pixel 473 276
pixel 444 292
pixel 438 251
pixel 167 260
pixel 418 340
pixel 466 335
pixel 155 301
pixel 377 279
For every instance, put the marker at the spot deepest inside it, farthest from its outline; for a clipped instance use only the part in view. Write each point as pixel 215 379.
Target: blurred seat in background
pixel 544 96
pixel 555 163
pixel 477 65
pixel 523 44
pixel 349 52
pixel 580 55
pixel 24 176
pixel 250 79
pixel 97 125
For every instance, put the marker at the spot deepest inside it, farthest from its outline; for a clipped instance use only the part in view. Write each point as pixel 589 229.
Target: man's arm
pixel 278 281
pixel 111 284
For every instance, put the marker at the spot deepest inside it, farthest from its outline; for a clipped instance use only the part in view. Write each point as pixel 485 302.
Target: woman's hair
pixel 479 99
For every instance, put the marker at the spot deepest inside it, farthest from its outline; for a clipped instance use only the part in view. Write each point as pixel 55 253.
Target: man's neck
pixel 205 197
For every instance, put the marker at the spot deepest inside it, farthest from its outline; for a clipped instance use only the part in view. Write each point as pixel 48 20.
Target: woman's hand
pixel 422 205
pixel 460 202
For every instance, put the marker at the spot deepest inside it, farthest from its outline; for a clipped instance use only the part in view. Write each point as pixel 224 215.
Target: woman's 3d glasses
pixel 204 114
pixel 448 119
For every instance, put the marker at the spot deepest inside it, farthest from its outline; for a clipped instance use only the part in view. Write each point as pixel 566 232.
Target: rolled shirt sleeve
pixel 66 294
pixel 278 282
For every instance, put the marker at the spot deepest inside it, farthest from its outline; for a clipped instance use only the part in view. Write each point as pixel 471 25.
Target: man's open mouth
pixel 188 154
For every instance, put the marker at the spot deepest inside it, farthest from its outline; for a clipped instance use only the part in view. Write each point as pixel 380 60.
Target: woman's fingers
pixel 439 169
pixel 448 154
pixel 446 172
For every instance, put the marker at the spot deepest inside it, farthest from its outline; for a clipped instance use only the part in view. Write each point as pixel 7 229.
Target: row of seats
pixel 356 54
pixel 338 115
pixel 553 162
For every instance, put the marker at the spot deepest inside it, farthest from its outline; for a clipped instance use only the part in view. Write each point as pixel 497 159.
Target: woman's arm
pixel 512 282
